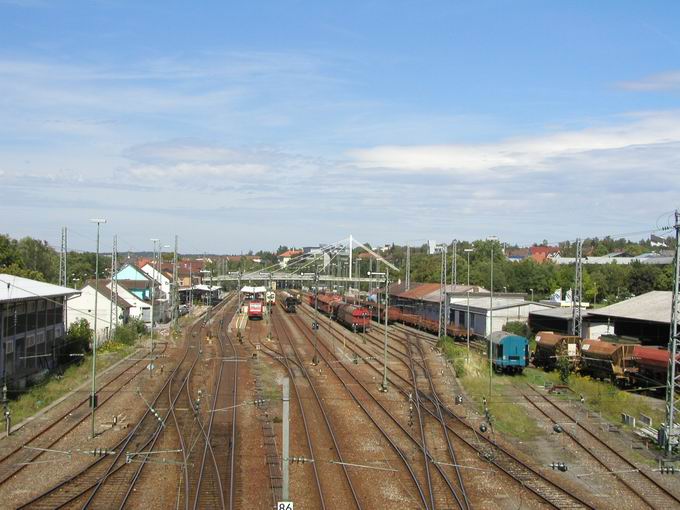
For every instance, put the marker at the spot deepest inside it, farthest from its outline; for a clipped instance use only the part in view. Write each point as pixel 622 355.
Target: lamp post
pixel 467 323
pixel 315 324
pixel 386 274
pixel 532 295
pixel 468 251
pixel 93 394
pixel 493 239
pixel 153 296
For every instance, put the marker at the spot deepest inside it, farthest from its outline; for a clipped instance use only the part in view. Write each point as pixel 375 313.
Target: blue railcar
pixel 509 352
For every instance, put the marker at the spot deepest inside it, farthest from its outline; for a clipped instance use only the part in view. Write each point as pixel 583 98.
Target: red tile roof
pixel 290 253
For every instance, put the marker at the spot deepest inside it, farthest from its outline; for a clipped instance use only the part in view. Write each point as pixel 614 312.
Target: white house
pixel 163 281
pixel 82 307
pixel 139 309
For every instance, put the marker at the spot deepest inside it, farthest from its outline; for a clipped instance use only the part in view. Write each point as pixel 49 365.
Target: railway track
pixel 320 415
pixel 393 430
pixel 34 447
pixel 109 481
pixel 640 483
pixel 544 488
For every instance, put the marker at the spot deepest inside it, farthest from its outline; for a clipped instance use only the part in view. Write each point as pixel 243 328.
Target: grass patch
pixel 606 398
pixel 473 374
pixel 54 387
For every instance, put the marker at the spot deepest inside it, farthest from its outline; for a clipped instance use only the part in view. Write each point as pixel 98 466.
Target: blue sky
pixel 245 125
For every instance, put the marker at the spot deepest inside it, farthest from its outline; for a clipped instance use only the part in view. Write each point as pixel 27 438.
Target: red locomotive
pixel 255 310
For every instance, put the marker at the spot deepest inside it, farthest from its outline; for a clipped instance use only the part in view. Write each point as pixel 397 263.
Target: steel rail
pixel 285 362
pixel 326 418
pixel 31 455
pixel 423 440
pixel 440 417
pixel 519 469
pixel 89 485
pixel 172 401
pixel 440 470
pixel 303 328
pixel 662 492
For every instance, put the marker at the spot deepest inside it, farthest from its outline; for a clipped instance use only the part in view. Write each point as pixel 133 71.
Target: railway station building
pixel 32 315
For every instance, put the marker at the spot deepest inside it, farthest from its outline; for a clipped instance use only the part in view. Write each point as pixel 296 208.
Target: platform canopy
pixel 248 289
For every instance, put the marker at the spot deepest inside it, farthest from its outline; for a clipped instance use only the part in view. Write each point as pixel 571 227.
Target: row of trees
pixel 601 283
pixel 35 259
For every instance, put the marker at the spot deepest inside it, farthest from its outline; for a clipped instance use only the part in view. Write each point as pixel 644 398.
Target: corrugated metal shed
pixel 16 288
pixel 654 306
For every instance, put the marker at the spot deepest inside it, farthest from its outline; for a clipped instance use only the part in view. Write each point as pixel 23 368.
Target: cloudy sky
pixel 245 125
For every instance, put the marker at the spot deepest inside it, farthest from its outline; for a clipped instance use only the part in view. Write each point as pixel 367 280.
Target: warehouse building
pixel 33 329
pixel 646 317
pixel 480 312
pixel 560 320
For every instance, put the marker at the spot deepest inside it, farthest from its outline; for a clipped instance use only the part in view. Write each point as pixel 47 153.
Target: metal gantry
pixel 576 320
pixel 671 431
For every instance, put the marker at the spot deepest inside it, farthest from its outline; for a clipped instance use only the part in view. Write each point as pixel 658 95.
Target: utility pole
pixel 442 290
pixel 93 395
pixel 153 295
pixel 350 260
pixel 387 314
pixel 493 239
pixel 671 429
pixel 286 439
pixel 63 278
pixel 576 321
pixel 408 267
pixel 315 360
pixel 63 266
pixel 175 292
pixel 454 265
pixel 113 309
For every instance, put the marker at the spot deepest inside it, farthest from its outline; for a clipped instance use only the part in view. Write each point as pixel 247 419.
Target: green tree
pixel 40 257
pixel 77 341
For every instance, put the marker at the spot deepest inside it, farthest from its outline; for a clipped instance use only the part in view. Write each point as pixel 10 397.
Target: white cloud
pixel 655 82
pixel 527 154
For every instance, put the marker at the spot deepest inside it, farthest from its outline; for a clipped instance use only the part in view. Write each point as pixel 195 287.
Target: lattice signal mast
pixel 576 320
pixel 672 428
pixel 63 278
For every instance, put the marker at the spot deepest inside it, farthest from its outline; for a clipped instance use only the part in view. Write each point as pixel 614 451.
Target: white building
pixel 82 307
pixel 504 310
pixel 139 309
pixel 163 281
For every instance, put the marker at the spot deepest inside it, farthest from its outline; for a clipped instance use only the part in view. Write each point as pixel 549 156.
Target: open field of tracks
pixel 374 423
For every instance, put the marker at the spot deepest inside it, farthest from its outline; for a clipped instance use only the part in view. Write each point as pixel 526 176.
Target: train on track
pixel 288 302
pixel 625 364
pixel 255 310
pixel 509 352
pixel 353 316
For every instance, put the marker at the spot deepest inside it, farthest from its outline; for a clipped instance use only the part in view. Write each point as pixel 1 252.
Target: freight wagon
pixel 357 318
pixel 288 302
pixel 550 347
pixel 609 361
pixel 509 352
pixel 652 365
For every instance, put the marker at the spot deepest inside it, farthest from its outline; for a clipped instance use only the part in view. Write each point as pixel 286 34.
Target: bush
pixel 517 328
pixel 77 341
pixel 127 333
